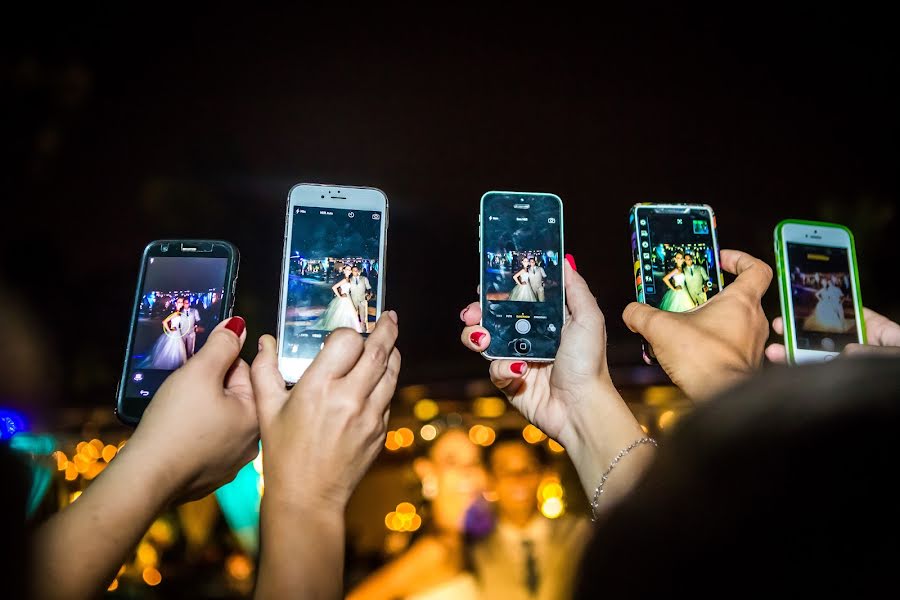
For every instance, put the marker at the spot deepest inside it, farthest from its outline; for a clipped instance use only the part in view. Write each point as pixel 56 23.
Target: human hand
pixel 200 428
pixel 709 348
pixel 572 399
pixel 321 436
pixel 882 333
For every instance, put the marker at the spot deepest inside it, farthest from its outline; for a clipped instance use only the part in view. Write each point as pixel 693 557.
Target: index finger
pixel 375 356
pixel 753 275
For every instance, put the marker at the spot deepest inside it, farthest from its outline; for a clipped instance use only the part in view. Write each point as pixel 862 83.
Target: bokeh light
pixel 113 586
pixel 239 566
pixel 482 435
pixel 533 435
pixel 667 419
pixel 553 508
pixel 426 409
pixel 488 407
pixel 403 518
pixel 428 432
pixel 152 576
pixel 109 452
pixel 555 446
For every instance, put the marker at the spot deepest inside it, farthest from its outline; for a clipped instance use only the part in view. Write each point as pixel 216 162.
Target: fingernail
pixel 236 325
pixel 518 367
pixel 392 316
pixel 462 314
pixel 259 346
pixel 476 337
pixel 571 260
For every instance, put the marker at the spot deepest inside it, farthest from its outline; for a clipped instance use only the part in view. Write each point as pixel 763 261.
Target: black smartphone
pixel 185 288
pixel 676 257
pixel 523 294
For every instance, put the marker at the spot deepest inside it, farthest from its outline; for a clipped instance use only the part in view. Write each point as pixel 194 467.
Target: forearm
pixel 302 549
pixel 604 428
pixel 105 523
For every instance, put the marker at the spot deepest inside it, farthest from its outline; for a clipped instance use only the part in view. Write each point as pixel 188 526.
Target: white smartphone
pixel 818 283
pixel 332 272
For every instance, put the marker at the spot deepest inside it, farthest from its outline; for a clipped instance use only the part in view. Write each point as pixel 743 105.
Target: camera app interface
pixel 676 267
pixel 822 297
pixel 522 274
pixel 181 302
pixel 333 276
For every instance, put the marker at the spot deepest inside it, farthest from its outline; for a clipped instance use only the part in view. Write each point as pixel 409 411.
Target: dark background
pixel 119 128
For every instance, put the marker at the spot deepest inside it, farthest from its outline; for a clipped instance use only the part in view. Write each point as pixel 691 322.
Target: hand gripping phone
pixel 185 288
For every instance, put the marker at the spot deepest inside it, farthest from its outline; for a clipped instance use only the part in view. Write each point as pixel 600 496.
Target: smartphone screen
pixel 521 274
pixel 677 256
pixel 333 274
pixel 180 301
pixel 822 297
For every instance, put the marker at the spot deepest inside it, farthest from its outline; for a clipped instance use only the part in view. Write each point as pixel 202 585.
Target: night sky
pixel 122 128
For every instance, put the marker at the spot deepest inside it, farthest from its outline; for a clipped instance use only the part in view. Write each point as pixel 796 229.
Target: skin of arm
pixel 316 453
pixel 426 563
pixel 198 431
pixel 517 275
pixel 166 321
pixel 668 277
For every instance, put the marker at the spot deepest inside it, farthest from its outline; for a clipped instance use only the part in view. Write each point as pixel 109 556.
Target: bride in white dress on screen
pixel 340 311
pixel 522 292
pixel 169 352
pixel 829 313
pixel 677 298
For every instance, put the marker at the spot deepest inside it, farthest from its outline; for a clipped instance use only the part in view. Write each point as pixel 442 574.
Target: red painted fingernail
pixel 236 325
pixel 462 315
pixel 518 367
pixel 571 261
pixel 476 337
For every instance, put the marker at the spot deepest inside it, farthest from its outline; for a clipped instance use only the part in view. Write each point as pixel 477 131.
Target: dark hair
pixel 514 436
pixel 782 483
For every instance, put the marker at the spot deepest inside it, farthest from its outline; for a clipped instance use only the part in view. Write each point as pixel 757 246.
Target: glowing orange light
pixel 667 419
pixel 161 532
pixel 426 409
pixel 98 445
pixel 391 442
pixel 147 555
pixel 151 576
pixel 406 508
pixel 239 566
pixel 71 472
pixel 482 435
pixel 415 523
pixel 122 443
pixel 644 427
pixel 61 460
pixel 109 452
pixel 555 446
pixel 113 586
pixel 80 447
pixel 533 435
pixel 94 469
pixel 406 437
pixel 74 496
pixel 488 407
pixel 81 463
pixel 90 452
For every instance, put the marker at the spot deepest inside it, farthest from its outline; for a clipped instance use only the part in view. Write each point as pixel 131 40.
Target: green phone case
pixel 784 284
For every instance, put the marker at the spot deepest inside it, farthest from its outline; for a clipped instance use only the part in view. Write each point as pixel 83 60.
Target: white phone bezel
pixel 825 236
pixel 326 196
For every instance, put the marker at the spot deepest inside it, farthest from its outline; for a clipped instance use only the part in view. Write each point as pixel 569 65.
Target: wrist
pixel 601 427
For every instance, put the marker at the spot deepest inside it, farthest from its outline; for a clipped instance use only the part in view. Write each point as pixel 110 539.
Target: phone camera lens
pixel 165 247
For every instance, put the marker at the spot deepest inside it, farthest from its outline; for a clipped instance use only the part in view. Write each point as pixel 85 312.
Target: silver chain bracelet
pixel 612 465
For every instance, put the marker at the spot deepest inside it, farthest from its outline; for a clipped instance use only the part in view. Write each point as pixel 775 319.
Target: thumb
pixel 638 318
pixel 268 382
pixel 222 347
